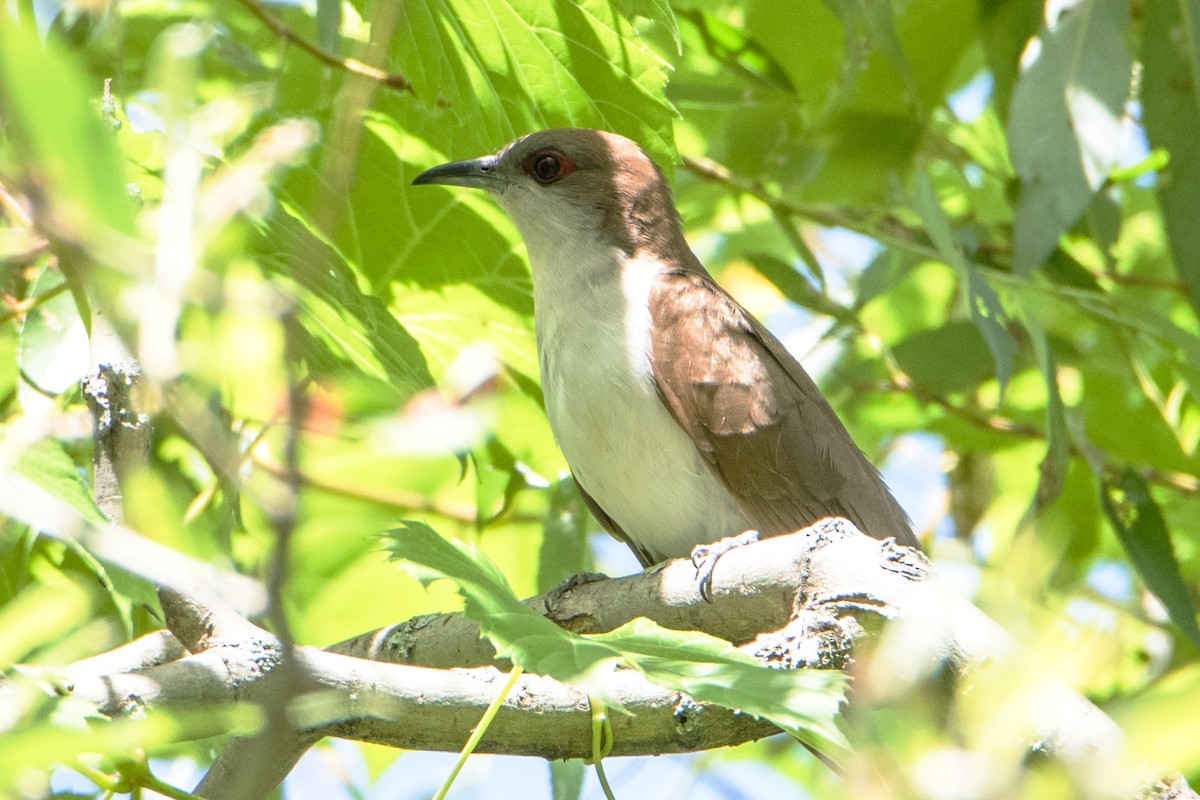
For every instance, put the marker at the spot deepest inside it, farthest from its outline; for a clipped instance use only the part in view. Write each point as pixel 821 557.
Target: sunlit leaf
pixel 506 68
pixel 1065 123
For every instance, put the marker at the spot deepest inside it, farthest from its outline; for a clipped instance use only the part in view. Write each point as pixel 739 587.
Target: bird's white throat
pixel 594 330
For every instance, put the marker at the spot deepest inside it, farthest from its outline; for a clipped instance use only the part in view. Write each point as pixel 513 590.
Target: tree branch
pixel 823 588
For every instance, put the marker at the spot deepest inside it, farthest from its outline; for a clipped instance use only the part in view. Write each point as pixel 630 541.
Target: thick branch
pixel 405 706
pixel 843 583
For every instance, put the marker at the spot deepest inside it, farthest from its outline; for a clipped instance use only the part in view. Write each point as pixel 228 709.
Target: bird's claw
pixel 555 596
pixel 705 557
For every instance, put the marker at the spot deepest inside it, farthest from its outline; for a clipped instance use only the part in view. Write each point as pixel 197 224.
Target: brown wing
pixel 759 420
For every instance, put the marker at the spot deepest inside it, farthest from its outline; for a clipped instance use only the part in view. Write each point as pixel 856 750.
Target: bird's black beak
pixel 478 173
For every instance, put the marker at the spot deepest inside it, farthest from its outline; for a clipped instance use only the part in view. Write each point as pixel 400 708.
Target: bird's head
pixel 573 184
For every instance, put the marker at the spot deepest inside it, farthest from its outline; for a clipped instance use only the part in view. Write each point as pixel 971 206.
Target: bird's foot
pixel 705 557
pixel 555 596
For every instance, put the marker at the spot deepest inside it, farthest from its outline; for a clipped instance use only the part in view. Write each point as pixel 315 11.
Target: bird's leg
pixel 705 556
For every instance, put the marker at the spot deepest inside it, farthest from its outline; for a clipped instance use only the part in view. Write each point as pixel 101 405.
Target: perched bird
pixel 683 420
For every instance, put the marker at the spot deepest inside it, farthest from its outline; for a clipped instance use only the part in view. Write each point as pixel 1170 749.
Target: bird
pixel 688 427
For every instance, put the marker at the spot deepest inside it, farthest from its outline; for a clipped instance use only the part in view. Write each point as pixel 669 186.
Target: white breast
pixel 623 446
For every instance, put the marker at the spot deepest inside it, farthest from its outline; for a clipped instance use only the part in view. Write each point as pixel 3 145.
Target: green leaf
pixel 54 122
pixel 1053 470
pixel 803 702
pixel 507 68
pixel 40 615
pixel 344 327
pixel 736 50
pixel 1007 25
pixel 1064 128
pixel 986 311
pixel 565 551
pixel 867 75
pixel 48 466
pixel 878 16
pixel 497 482
pixel 566 779
pixel 54 348
pixel 432 237
pixel 947 359
pixel 329 24
pixel 1170 97
pixel 529 639
pixel 657 11
pixel 1140 525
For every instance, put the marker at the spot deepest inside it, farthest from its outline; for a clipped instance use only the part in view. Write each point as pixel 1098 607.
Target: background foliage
pixel 975 220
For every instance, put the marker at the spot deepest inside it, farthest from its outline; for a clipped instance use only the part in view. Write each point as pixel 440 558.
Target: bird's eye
pixel 548 166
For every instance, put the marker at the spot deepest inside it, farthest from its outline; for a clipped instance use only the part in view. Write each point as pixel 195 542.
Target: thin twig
pixel 391 498
pixel 29 303
pixel 715 172
pixel 1000 424
pixel 281 29
pixel 13 206
pixel 886 230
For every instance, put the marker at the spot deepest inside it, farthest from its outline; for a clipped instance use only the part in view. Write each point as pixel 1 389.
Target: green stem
pixel 602 743
pixel 478 732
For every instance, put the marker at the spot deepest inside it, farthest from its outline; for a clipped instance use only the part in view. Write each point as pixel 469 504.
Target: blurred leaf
pixel 565 550
pixel 947 359
pixel 884 271
pixel 794 286
pixel 1064 269
pixel 1139 524
pixel 986 311
pixel 878 22
pixel 1156 727
pixel 54 350
pixel 733 47
pixel 1053 470
pixel 53 120
pixel 1065 126
pixel 862 114
pixel 566 779
pixel 1171 110
pixel 329 24
pixel 1123 422
pixel 497 482
pixel 47 465
pixel 1007 27
pixel 1071 527
pixel 804 702
pixel 39 616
